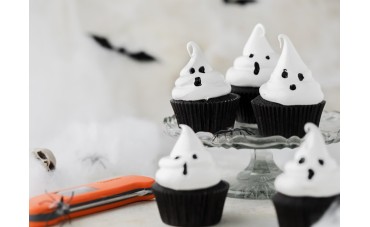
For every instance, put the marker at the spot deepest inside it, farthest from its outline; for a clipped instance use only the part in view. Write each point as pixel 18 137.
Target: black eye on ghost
pixel 202 69
pixel 177 157
pixel 284 74
pixel 301 160
pixel 300 76
pixel 321 162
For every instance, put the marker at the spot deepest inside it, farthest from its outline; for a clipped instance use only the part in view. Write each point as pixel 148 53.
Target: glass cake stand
pixel 256 181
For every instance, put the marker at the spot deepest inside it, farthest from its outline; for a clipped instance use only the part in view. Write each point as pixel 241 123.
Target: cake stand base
pixel 257 180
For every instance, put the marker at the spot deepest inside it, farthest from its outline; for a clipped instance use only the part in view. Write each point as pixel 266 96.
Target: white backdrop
pixel 87 101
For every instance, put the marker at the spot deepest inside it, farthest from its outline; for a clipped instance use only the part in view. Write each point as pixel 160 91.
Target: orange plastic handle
pixel 52 208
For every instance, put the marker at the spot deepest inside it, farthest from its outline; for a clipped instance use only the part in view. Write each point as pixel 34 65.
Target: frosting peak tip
pixel 313 133
pixel 259 27
pixel 282 39
pixel 309 126
pixel 185 128
pixel 193 48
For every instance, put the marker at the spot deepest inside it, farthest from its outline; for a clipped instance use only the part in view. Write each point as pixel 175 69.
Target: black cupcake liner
pixel 202 207
pixel 276 119
pixel 300 211
pixel 245 113
pixel 210 115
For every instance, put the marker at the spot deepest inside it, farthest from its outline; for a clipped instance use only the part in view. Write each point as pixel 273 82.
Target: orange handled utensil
pixel 54 207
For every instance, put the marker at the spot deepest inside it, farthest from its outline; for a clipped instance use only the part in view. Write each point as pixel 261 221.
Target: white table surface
pixel 237 212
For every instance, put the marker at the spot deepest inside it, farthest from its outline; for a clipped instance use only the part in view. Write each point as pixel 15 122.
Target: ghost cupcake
pixel 201 97
pixel 290 98
pixel 250 71
pixel 188 188
pixel 309 184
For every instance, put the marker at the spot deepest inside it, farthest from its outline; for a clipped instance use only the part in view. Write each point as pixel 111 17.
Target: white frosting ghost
pixel 257 63
pixel 313 172
pixel 189 165
pixel 291 82
pixel 198 80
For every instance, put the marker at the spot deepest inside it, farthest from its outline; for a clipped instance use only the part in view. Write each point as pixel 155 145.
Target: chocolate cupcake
pixel 188 188
pixel 250 71
pixel 290 98
pixel 201 97
pixel 309 184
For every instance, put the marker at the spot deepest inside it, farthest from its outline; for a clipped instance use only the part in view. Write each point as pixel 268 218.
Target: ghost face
pixel 256 64
pixel 187 170
pixel 310 167
pixel 194 77
pixel 292 78
pixel 256 61
pixel 183 163
pixel 196 73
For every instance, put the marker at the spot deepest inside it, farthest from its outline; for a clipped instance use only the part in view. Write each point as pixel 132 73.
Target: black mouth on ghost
pixel 311 173
pixel 197 81
pixel 185 171
pixel 256 68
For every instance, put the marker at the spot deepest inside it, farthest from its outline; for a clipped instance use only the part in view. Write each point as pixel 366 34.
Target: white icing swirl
pixel 198 80
pixel 313 172
pixel 291 82
pixel 190 166
pixel 255 66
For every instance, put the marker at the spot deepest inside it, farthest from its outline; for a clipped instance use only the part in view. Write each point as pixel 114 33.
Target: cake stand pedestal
pixel 256 181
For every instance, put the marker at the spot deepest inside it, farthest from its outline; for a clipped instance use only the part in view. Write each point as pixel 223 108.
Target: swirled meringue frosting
pixel 291 82
pixel 189 166
pixel 198 80
pixel 313 172
pixel 255 66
